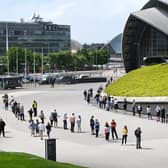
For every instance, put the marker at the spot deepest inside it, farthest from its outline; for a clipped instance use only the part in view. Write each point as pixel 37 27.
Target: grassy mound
pixel 22 160
pixel 146 81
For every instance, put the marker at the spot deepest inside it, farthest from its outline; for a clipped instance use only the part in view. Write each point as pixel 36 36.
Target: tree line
pixel 83 59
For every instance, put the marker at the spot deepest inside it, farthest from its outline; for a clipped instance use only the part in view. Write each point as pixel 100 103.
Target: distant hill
pixel 75 45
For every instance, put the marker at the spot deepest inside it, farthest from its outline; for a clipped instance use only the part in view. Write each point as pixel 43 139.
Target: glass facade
pixel 36 36
pixel 154 44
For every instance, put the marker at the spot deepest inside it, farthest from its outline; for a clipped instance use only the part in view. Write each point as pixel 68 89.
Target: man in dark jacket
pixel 92 124
pixel 138 138
pixel 2 127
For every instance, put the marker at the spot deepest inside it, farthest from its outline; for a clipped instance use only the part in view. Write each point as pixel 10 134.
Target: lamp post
pixel 25 63
pixel 42 60
pixel 17 60
pixel 7 47
pixel 34 67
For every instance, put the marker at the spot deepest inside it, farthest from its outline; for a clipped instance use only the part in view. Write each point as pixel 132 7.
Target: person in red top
pixel 113 129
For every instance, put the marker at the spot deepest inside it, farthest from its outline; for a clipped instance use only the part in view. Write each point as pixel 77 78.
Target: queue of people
pixel 38 127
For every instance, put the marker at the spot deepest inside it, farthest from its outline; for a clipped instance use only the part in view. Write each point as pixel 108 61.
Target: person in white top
pixel 157 109
pixel 148 111
pixel 78 121
pixel 41 127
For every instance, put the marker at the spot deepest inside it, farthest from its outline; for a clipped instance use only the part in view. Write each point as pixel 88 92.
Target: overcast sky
pixel 90 20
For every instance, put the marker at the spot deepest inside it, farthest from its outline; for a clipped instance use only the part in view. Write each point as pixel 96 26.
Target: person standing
pixel 42 116
pixel 85 94
pixel 88 98
pixel 41 127
pixel 48 128
pixel 125 104
pixel 37 128
pixel 107 131
pixel 34 106
pixel 65 121
pixel 30 114
pixel 52 82
pixel 22 113
pixel 125 135
pixel 32 127
pixel 55 118
pixel 133 107
pixel 97 127
pixel 163 113
pixel 148 111
pixel 78 122
pixel 139 110
pixel 51 118
pixel 92 124
pixel 157 109
pixel 2 127
pixel 138 138
pixel 113 129
pixel 72 122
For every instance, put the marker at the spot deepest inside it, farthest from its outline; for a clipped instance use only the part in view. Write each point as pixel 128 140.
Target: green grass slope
pixel 22 160
pixel 146 81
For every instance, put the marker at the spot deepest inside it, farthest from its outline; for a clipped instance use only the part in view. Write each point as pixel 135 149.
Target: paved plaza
pixel 83 148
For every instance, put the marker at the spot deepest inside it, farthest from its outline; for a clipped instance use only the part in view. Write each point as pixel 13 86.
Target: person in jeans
pixel 125 134
pixel 72 122
pixel 97 127
pixel 65 121
pixel 41 127
pixel 113 129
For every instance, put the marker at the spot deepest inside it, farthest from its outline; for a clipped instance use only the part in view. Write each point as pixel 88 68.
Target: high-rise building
pixel 38 35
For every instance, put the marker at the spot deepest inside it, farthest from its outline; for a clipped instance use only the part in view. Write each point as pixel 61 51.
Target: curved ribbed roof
pixel 154 14
pixel 155 17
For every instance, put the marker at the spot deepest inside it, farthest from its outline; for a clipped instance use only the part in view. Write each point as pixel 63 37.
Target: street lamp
pixel 34 66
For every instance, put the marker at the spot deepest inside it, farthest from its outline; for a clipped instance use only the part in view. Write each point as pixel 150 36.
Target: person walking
pixel 78 122
pixel 34 106
pixel 97 127
pixel 41 127
pixel 113 129
pixel 65 121
pixel 125 135
pixel 138 138
pixel 107 131
pixel 92 124
pixel 2 127
pixel 48 128
pixel 72 122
